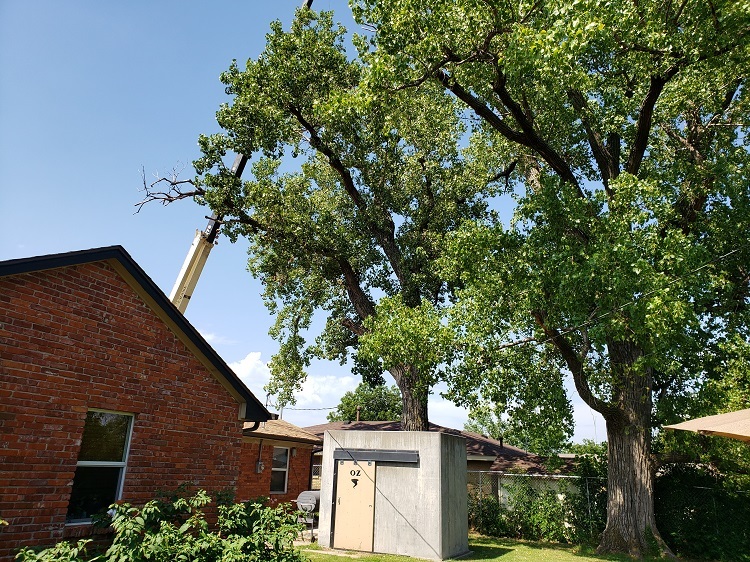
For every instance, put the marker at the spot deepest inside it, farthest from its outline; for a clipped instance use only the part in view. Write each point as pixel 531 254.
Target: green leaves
pixel 404 335
pixel 369 403
pixel 351 194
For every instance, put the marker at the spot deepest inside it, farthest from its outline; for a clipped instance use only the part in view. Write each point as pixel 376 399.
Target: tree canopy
pixel 619 130
pixel 350 196
pixel 518 425
pixel 369 403
pixel 626 125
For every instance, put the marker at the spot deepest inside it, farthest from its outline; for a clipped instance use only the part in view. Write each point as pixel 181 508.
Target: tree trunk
pixel 413 399
pixel 631 525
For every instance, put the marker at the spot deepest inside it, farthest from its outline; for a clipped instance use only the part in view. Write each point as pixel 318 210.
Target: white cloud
pixel 319 392
pixel 253 372
pixel 445 413
pixel 217 339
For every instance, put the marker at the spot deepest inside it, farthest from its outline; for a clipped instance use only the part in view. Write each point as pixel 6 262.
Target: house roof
pixel 282 431
pixel 505 458
pixel 131 272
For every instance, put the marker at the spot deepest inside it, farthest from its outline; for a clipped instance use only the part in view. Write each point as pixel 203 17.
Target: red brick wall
pixel 77 338
pixel 252 485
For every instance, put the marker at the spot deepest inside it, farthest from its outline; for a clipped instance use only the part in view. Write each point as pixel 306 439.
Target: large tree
pixel 626 122
pixel 349 197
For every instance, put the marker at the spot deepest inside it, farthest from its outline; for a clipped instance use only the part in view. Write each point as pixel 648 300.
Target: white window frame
pixel 122 465
pixel 285 470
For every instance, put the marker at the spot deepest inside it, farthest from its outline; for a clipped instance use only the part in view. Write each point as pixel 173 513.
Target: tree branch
pixel 174 191
pixel 530 137
pixel 384 235
pixel 609 166
pixel 575 365
pixel 357 296
pixel 645 118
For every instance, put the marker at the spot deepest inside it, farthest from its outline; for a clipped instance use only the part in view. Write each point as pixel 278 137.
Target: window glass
pixel 94 490
pixel 280 457
pixel 104 437
pixel 278 481
pixel 279 469
pixel 101 465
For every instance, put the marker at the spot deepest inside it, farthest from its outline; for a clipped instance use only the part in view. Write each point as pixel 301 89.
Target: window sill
pixel 84 529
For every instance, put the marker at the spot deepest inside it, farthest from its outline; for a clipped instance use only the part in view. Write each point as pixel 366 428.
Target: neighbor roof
pixel 154 297
pixel 475 444
pixel 506 457
pixel 282 431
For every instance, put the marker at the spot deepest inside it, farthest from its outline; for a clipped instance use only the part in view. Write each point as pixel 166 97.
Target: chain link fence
pixel 315 478
pixel 536 507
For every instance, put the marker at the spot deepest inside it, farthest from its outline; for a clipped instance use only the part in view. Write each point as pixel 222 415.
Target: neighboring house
pixel 276 461
pixel 482 453
pixel 106 393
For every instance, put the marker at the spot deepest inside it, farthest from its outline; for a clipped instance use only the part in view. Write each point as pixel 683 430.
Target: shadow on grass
pixel 486 552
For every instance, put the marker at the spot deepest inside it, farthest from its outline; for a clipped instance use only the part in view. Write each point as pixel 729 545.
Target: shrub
pixel 164 531
pixel 485 516
pixel 537 514
pixel 702 514
pixel 61 552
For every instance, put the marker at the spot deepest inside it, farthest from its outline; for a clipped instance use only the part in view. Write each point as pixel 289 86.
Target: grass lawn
pixel 484 548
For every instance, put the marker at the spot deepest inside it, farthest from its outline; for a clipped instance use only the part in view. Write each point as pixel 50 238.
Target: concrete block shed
pixel 394 492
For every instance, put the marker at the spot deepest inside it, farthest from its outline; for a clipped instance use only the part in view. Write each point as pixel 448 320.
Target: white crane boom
pixel 203 243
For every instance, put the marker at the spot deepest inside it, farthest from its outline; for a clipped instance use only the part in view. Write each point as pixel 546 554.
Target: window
pixel 101 464
pixel 279 470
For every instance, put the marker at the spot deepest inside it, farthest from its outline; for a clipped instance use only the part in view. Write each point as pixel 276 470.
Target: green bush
pixel 537 514
pixel 529 514
pixel 485 516
pixel 703 515
pixel 165 531
pixel 61 552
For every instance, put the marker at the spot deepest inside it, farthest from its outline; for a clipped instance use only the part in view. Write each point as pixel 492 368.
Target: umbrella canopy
pixel 733 424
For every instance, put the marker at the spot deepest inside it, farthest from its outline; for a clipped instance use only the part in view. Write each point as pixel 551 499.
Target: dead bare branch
pixel 167 189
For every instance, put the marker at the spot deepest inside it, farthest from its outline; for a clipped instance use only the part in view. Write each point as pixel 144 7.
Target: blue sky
pixel 91 93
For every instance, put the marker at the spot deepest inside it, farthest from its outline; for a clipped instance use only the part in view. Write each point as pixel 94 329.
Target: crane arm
pixel 203 243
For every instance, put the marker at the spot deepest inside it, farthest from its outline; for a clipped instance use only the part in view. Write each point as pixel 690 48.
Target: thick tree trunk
pixel 631 526
pixel 413 399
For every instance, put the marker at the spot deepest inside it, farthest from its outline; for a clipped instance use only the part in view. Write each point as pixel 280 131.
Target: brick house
pixel 106 392
pixel 277 461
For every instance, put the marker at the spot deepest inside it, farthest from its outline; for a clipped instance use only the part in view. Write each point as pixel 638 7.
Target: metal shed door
pixel 355 505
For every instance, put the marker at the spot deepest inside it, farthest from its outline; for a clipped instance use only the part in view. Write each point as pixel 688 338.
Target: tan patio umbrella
pixel 735 425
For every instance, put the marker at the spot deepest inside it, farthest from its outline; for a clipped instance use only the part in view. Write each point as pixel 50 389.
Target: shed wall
pixel 418 510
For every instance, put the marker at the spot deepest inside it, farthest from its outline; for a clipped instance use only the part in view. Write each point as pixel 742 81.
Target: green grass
pixel 483 548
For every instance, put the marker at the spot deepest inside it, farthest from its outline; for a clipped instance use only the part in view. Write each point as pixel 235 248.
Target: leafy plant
pixel 703 514
pixel 375 403
pixel 165 531
pixel 61 552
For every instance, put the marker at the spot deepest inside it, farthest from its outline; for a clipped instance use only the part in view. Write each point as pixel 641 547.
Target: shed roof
pixel 475 444
pixel 154 297
pixel 504 457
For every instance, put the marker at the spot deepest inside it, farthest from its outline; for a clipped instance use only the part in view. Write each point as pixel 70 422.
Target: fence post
pixel 588 504
pixel 481 503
